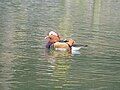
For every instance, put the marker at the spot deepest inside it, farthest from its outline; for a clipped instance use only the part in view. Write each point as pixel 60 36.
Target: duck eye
pixel 50 34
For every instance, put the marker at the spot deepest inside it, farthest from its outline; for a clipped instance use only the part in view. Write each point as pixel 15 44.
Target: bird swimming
pixel 54 41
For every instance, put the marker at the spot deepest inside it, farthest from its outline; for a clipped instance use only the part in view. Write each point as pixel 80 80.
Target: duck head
pixel 52 37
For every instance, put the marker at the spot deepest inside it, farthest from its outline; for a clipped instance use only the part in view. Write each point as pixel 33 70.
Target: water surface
pixel 26 65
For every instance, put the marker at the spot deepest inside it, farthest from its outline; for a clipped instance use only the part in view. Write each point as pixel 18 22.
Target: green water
pixel 24 62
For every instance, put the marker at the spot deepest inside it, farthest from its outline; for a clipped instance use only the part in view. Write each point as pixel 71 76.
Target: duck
pixel 54 42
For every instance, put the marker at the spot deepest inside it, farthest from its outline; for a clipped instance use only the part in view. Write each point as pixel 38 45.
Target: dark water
pixel 24 63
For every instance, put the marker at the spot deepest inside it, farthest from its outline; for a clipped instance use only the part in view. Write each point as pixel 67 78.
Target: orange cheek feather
pixel 54 39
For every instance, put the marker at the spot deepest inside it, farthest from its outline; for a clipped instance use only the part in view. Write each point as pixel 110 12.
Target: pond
pixel 26 65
